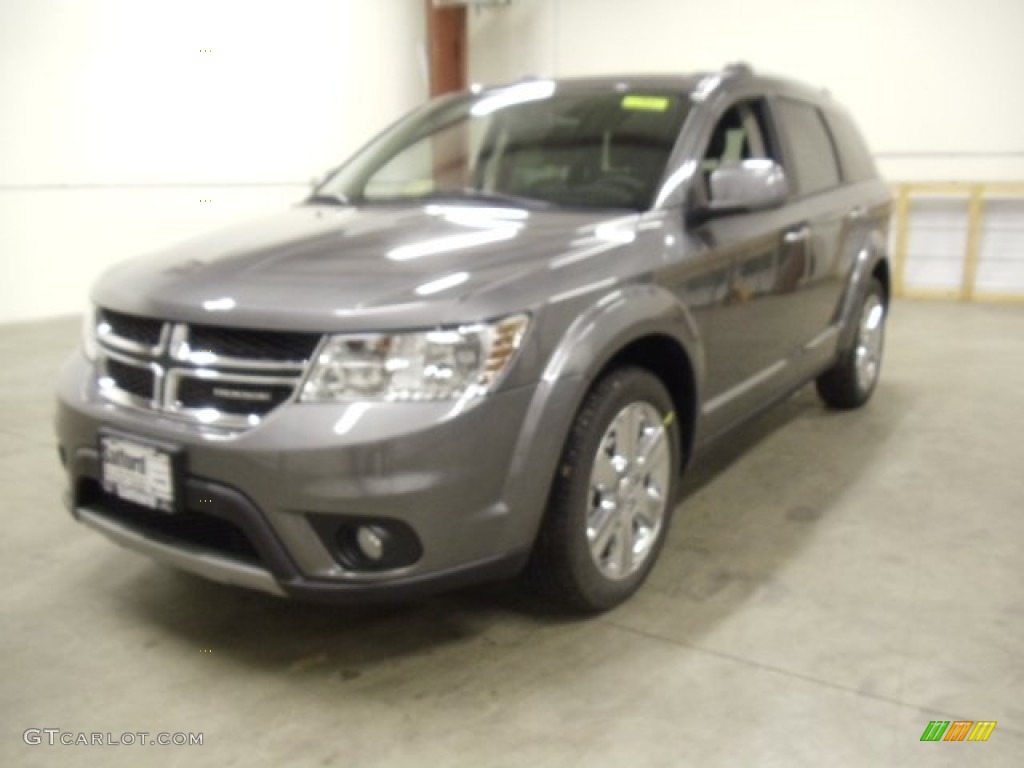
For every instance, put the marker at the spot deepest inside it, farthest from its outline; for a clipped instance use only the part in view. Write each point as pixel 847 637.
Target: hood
pixel 328 268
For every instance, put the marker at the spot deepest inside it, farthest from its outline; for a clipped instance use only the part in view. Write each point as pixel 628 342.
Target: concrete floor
pixel 833 582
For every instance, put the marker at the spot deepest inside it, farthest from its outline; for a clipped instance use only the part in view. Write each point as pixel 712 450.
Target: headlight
pixel 89 334
pixel 429 365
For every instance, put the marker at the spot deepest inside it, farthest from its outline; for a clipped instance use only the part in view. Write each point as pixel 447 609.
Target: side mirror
pixel 752 185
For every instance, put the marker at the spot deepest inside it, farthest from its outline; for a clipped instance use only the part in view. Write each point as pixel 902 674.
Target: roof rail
pixel 741 68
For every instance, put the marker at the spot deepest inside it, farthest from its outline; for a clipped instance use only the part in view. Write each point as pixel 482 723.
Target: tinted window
pixel 812 159
pixel 854 156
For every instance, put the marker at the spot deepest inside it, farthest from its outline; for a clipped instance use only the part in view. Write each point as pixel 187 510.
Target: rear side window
pixel 812 159
pixel 854 156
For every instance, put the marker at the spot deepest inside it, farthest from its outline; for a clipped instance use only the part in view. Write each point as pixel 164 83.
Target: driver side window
pixel 740 134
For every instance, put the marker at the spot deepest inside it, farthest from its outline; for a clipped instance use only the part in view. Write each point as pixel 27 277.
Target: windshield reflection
pixel 531 145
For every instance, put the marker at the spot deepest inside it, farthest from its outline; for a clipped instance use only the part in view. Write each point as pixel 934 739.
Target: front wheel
pixel 850 382
pixel 613 495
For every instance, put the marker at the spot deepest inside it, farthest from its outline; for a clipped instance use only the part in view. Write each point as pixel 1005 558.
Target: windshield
pixel 528 144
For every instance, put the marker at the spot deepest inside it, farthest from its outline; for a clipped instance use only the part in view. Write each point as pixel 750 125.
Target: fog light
pixel 368 543
pixel 371 542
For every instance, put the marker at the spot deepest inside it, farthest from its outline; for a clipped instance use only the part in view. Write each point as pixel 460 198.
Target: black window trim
pixel 832 116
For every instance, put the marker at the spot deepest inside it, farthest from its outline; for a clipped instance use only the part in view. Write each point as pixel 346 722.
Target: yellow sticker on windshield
pixel 645 103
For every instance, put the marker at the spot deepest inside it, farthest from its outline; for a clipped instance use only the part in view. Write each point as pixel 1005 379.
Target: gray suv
pixel 487 345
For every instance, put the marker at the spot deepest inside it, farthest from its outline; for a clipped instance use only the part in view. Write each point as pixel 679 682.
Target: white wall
pixel 128 124
pixel 935 84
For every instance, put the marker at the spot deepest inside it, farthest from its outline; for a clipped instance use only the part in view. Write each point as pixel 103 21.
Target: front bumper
pixel 470 481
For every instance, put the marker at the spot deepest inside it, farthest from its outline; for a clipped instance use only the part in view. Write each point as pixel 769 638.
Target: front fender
pixel 607 327
pixel 613 322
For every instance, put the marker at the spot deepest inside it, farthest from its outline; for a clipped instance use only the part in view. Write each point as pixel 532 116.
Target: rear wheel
pixel 613 495
pixel 850 382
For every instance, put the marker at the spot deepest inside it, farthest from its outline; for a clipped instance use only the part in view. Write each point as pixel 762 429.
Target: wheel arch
pixel 641 324
pixel 872 263
pixel 882 273
pixel 668 360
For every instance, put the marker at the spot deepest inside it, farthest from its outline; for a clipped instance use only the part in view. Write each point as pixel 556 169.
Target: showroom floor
pixel 833 582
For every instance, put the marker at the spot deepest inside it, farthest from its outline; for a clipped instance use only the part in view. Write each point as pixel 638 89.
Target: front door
pixel 757 327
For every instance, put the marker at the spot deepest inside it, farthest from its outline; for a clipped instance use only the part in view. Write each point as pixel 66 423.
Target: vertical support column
pixel 902 236
pixel 974 220
pixel 446 34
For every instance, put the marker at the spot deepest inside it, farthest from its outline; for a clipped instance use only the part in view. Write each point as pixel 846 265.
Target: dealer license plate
pixel 138 472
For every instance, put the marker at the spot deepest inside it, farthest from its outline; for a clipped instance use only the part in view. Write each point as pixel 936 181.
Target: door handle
pixel 797 236
pixel 857 213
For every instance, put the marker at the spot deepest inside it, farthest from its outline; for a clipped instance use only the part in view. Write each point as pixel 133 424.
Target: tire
pixel 852 380
pixel 612 497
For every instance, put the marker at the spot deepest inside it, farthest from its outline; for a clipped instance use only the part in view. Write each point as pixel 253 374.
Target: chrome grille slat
pixel 137 380
pixel 113 390
pixel 194 371
pixel 131 333
pixel 178 392
pixel 256 346
pixel 143 331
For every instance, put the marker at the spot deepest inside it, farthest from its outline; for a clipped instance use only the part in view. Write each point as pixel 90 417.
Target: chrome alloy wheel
pixel 629 486
pixel 868 355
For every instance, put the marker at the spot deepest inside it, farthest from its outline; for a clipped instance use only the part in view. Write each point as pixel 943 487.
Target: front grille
pixel 132 379
pixel 141 330
pixel 232 396
pixel 278 346
pixel 189 526
pixel 228 377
